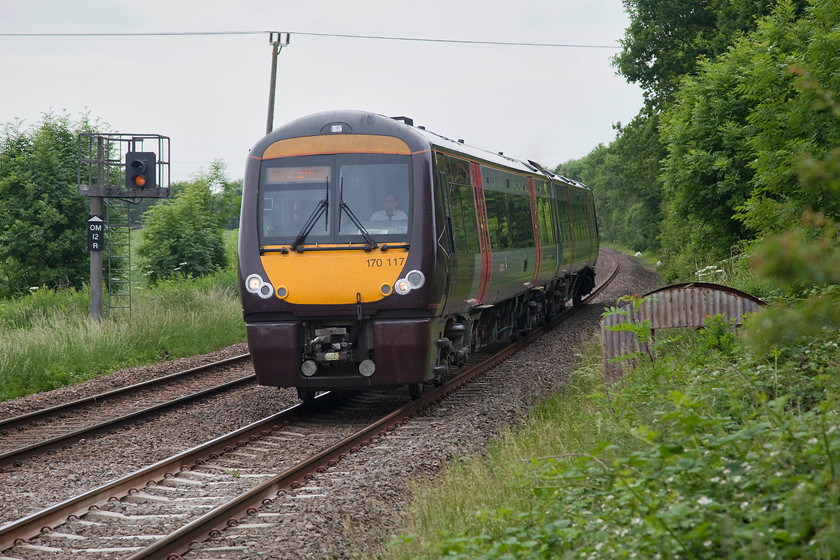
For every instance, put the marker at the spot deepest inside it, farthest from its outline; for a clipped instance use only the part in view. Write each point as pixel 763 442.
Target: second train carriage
pixel 376 253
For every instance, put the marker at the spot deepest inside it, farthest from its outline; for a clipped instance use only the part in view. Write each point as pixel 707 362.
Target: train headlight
pixel 256 285
pixel 416 279
pixel 266 290
pixel 413 280
pixel 402 287
pixel 253 283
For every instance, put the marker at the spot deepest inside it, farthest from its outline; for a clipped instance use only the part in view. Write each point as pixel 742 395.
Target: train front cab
pixel 334 296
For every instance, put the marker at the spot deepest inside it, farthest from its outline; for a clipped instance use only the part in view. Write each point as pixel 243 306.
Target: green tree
pixel 666 38
pixel 624 179
pixel 227 195
pixel 738 130
pixel 42 216
pixel 183 237
pixel 796 118
pixel 706 174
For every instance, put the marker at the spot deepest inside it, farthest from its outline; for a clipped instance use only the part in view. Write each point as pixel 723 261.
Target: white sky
pixel 209 94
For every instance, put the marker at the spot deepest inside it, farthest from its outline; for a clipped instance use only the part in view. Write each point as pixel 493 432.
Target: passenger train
pixel 373 253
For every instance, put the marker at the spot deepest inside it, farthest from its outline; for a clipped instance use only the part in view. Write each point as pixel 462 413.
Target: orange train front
pixel 374 253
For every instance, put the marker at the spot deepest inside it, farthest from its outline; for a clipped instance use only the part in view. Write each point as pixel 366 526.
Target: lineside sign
pixel 95 233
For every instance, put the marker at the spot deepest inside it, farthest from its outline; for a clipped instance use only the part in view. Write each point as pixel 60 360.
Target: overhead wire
pixel 311 34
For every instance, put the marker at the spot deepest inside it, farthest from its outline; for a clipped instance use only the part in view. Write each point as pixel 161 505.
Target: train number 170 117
pixel 390 261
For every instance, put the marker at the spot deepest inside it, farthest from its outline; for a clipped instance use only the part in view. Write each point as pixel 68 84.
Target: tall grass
pixel 484 495
pixel 48 340
pixel 703 453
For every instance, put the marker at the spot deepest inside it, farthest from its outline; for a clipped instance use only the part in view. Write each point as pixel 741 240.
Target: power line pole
pixel 277 44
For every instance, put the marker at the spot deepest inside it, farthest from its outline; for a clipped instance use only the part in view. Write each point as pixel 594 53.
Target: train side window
pixel 544 214
pixel 497 220
pixel 461 202
pixel 560 196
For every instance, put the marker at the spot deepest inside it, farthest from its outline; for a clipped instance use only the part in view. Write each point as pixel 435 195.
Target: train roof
pixel 403 127
pixel 497 158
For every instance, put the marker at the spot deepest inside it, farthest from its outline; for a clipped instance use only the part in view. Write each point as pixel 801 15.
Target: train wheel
pixel 415 390
pixel 306 395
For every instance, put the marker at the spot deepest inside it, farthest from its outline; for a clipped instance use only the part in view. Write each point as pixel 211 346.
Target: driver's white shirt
pixel 382 215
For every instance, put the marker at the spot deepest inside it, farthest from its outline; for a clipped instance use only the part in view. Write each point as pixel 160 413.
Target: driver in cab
pixel 390 212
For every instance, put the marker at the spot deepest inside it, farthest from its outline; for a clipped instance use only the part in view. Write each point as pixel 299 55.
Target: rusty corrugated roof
pixel 677 306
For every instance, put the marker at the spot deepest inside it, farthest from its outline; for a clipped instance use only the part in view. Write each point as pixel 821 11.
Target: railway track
pixel 63 425
pixel 219 488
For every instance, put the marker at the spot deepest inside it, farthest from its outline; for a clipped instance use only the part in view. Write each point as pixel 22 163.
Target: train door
pixel 566 238
pixel 535 220
pixel 549 240
pixel 483 232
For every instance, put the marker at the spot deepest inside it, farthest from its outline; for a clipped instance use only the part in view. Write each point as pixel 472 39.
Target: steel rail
pixel 13 457
pixel 96 399
pixel 180 540
pixel 31 525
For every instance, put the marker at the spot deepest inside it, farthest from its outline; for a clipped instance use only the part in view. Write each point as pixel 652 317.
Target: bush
pixel 719 460
pixel 183 237
pixel 42 217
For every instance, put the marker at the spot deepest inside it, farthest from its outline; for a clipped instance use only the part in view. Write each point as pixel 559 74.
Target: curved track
pixel 160 511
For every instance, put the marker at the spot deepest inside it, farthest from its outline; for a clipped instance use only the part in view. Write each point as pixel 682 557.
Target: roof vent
pixel 460 140
pixel 406 120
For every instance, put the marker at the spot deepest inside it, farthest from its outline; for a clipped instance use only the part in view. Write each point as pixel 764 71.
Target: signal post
pixel 122 166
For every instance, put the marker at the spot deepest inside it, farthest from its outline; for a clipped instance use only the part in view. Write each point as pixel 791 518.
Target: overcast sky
pixel 209 93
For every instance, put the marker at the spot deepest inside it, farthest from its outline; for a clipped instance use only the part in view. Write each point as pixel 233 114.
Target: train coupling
pixel 331 344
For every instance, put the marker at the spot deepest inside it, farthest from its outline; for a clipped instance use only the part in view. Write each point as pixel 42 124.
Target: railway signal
pixel 142 173
pixel 140 170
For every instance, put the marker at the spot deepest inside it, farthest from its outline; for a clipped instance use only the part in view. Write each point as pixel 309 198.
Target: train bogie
pixel 374 253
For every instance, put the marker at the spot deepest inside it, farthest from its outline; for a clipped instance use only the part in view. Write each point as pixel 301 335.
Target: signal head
pixel 140 170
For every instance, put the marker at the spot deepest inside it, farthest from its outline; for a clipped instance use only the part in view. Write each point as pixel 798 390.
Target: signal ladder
pixel 118 244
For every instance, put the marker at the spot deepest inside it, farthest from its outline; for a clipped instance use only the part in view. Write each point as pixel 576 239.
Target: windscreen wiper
pixel 313 218
pixel 365 233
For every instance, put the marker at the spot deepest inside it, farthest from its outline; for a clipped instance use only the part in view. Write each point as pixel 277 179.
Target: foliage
pixel 743 131
pixel 667 37
pixel 624 179
pixel 705 173
pixel 183 237
pixel 42 217
pixel 796 119
pixel 711 458
pixel 806 264
pixel 739 137
pixel 48 340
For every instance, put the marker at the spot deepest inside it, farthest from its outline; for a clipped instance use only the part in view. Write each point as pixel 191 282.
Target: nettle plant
pixel 640 329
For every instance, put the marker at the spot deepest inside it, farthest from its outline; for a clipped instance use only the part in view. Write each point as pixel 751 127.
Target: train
pixel 374 253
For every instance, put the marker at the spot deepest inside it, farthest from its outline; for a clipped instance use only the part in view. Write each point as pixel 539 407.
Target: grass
pixel 697 455
pixel 48 340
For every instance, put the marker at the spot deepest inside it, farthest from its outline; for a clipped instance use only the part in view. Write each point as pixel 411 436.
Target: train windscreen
pixel 343 198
